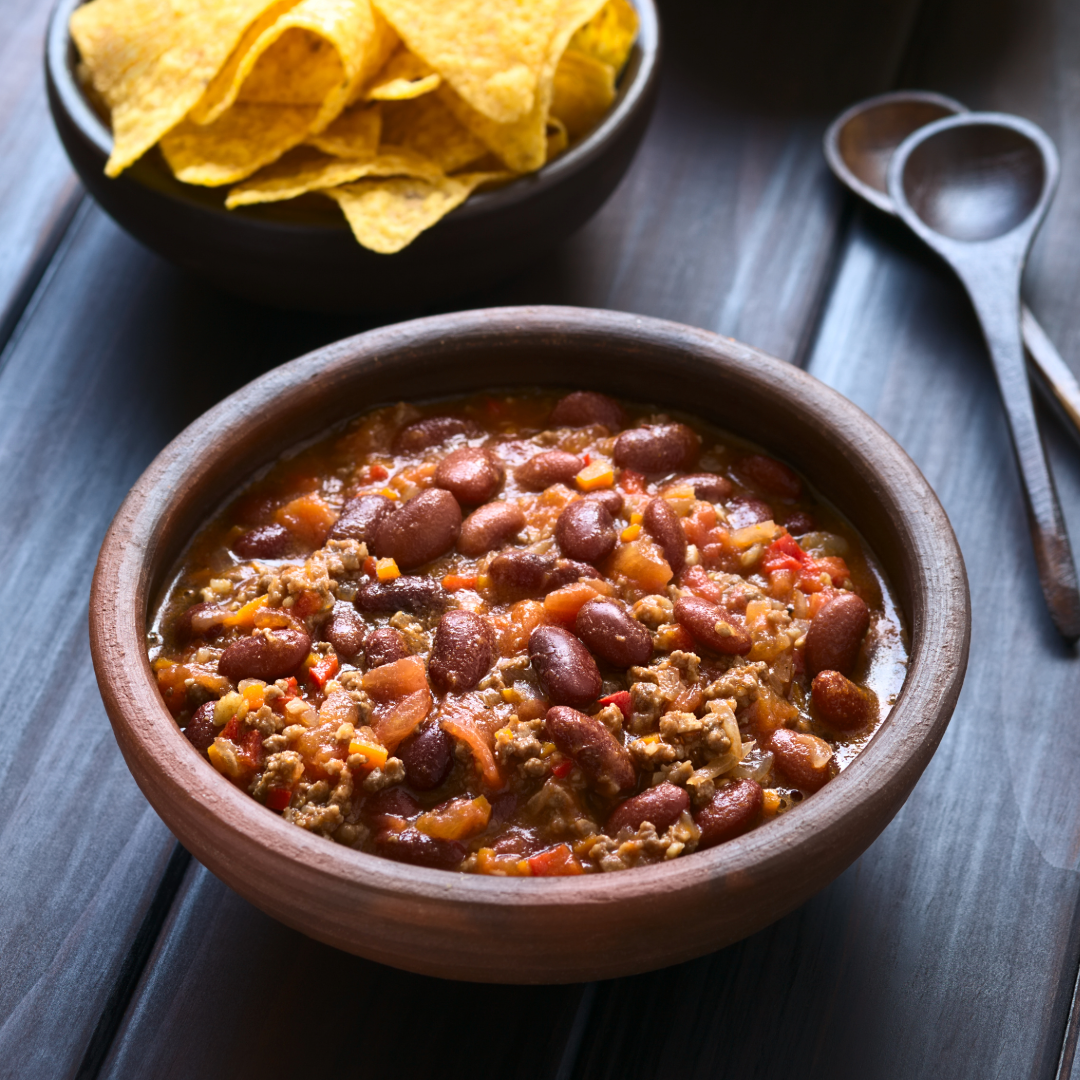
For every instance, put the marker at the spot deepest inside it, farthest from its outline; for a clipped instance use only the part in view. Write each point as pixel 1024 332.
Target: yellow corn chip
pixel 354 134
pixel 583 91
pixel 609 35
pixel 427 126
pixel 404 76
pixel 388 215
pixel 306 169
pixel 151 61
pixel 244 139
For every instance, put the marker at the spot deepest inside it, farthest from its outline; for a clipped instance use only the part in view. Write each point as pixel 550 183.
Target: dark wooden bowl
pixel 519 929
pixel 303 255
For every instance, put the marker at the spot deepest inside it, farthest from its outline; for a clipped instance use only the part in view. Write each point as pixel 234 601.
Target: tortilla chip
pixel 306 169
pixel 427 126
pixel 354 134
pixel 244 139
pixel 404 77
pixel 388 215
pixel 151 61
pixel 609 35
pixel 582 93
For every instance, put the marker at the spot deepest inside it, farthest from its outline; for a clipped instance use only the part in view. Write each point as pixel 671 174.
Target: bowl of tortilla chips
pixel 352 154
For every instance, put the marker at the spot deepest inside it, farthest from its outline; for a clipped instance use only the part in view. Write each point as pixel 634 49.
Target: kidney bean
pixel 425 527
pixel 183 630
pixel 418 595
pixel 585 407
pixel 770 475
pixel 613 634
pixel 345 630
pixel 608 498
pixel 547 468
pixel 713 626
pixel 585 531
pixel 662 805
pixel 360 518
pixel 472 475
pixel 799 523
pixel 707 486
pixel 664 526
pixel 384 646
pixel 567 572
pixel 743 511
pixel 201 729
pixel 490 526
pixel 802 758
pixel 427 757
pixel 841 703
pixel 520 573
pixel 657 448
pixel 567 672
pixel 390 802
pixel 732 811
pixel 413 846
pixel 835 634
pixel 519 842
pixel 462 652
pixel 594 749
pixel 266 655
pixel 265 542
pixel 430 432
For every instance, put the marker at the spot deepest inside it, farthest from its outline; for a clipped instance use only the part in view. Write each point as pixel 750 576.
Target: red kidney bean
pixel 518 842
pixel 427 756
pixel 430 432
pixel 183 630
pixel 345 630
pixel 613 634
pixel 743 511
pixel 594 749
pixel 265 542
pixel 425 527
pixel 841 703
pixel 201 729
pixel 391 802
pixel 567 672
pixel 584 408
pixel 799 523
pixel 585 531
pixel 520 573
pixel 664 526
pixel 713 626
pixel 835 634
pixel 413 846
pixel 360 518
pixel 384 646
pixel 490 526
pixel 472 475
pixel 707 486
pixel 418 595
pixel 657 448
pixel 547 468
pixel 567 572
pixel 266 655
pixel 732 811
pixel 802 758
pixel 662 805
pixel 462 652
pixel 770 475
pixel 608 498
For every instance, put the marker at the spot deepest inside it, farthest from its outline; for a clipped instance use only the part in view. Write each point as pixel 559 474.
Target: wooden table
pixel 950 949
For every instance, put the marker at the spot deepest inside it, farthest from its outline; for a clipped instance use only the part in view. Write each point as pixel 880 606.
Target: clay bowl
pixel 303 255
pixel 555 929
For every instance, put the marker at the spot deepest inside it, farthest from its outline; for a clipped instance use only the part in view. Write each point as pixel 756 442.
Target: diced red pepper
pixel 322 672
pixel 563 768
pixel 456 582
pixel 633 483
pixel 251 750
pixel 622 699
pixel 784 553
pixel 558 861
pixel 231 730
pixel 278 798
pixel 373 473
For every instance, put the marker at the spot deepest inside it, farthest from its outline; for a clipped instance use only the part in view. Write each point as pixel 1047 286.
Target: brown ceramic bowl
pixel 520 929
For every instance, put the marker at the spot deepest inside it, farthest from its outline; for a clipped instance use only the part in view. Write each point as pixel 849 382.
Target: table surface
pixel 951 948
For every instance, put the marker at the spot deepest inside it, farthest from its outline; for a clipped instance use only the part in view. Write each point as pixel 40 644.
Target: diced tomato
pixel 307 603
pixel 700 584
pixel 833 565
pixel 563 768
pixel 680 638
pixel 231 730
pixel 784 553
pixel 699 524
pixel 324 670
pixel 622 699
pixel 633 483
pixel 278 798
pixel 373 473
pixel 369 566
pixel 558 861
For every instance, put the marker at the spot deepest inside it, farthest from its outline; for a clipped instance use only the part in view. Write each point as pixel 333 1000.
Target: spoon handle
pixel 1053 377
pixel 999 315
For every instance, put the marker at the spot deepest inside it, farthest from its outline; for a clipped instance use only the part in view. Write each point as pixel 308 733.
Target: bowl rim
pixel 891 762
pixel 633 92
